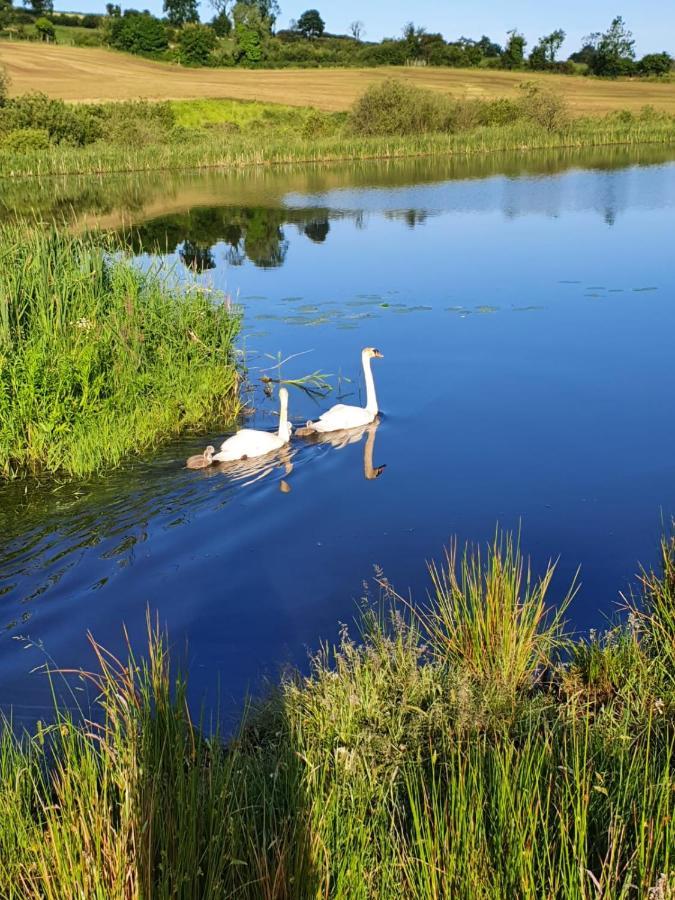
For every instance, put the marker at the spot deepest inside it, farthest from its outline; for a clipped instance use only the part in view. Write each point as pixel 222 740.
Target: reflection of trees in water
pixel 197 258
pixel 317 230
pixel 254 233
pixel 411 217
pixel 72 198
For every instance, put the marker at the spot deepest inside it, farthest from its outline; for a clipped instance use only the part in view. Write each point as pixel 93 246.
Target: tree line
pixel 244 32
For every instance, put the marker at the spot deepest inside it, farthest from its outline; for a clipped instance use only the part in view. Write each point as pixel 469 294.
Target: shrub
pixel 25 139
pixel 45 29
pixel 196 43
pixel 137 33
pixel 136 122
pixel 501 111
pixel 393 107
pixel 4 85
pixel 543 107
pixel 655 64
pixel 388 53
pixel 467 114
pixel 222 56
pixel 319 124
pixel 74 125
pixel 93 39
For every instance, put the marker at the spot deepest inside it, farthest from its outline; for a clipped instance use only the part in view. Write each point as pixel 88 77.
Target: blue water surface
pixel 527 327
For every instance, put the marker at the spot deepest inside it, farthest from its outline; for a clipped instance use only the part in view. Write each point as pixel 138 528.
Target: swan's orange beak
pixel 377 354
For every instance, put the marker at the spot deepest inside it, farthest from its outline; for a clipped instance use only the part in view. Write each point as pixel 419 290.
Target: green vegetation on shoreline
pixel 99 360
pixel 230 134
pixel 469 749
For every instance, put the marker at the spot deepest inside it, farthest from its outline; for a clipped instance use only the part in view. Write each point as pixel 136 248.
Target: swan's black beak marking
pixel 377 354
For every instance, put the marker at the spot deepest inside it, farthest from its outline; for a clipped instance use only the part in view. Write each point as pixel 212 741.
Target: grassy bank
pixel 392 120
pixel 98 360
pixel 234 152
pixel 450 754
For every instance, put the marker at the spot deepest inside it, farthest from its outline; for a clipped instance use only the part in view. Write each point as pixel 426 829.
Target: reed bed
pixel 98 359
pixel 398 768
pixel 221 149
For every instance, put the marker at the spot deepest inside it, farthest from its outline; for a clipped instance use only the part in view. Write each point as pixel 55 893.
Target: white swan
pixel 249 443
pixel 342 417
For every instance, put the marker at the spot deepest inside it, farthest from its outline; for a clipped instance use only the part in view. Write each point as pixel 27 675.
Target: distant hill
pixel 82 73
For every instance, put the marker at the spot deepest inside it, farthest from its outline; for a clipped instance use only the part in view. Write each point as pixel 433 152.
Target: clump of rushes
pixel 98 359
pixel 490 616
pixel 392 770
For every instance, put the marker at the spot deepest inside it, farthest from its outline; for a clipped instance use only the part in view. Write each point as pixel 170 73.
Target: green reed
pixel 98 359
pixel 393 770
pixel 218 148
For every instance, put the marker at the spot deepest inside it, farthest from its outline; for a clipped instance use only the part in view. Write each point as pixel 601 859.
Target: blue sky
pixel 652 21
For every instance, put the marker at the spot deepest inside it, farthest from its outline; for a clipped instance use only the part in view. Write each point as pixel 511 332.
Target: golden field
pixel 81 74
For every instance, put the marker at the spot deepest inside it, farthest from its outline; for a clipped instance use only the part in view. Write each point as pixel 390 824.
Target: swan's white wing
pixel 248 442
pixel 341 417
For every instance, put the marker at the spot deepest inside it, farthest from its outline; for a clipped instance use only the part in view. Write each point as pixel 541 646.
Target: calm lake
pixel 525 307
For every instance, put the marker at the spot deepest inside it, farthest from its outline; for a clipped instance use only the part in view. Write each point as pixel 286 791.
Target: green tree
pixel 614 50
pixel 180 12
pixel 514 52
pixel 221 24
pixel 656 64
pixel 267 10
pixel 137 33
pixel 113 9
pixel 250 32
pixel 489 49
pixel 223 8
pixel 310 24
pixel 357 30
pixel 40 7
pixel 544 53
pixel 196 42
pixel 586 55
pixel 45 29
pixel 413 40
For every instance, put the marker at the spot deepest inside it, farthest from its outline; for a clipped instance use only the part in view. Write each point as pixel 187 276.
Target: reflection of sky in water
pixel 527 379
pixel 607 193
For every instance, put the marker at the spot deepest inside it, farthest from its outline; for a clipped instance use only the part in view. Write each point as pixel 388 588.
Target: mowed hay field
pixel 80 74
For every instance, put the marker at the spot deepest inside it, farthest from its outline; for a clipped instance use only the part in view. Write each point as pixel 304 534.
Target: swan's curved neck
pixel 371 398
pixel 283 418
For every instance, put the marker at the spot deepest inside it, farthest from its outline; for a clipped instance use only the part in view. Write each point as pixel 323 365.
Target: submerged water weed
pixel 433 758
pixel 98 359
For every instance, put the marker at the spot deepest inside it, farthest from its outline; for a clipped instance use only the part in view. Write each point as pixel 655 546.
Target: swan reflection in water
pixel 342 439
pixel 248 471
